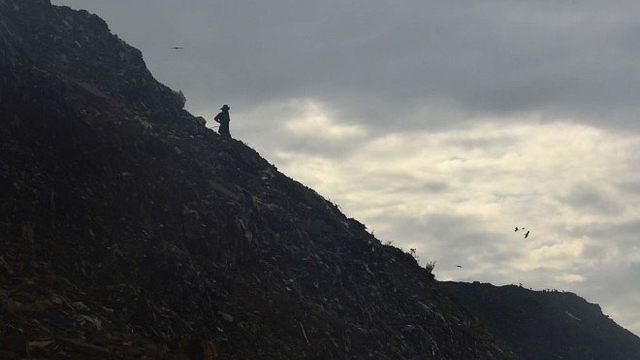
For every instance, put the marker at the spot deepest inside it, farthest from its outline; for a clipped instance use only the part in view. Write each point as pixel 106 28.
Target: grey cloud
pixel 589 199
pixel 488 141
pixel 312 148
pixel 608 285
pixel 594 252
pixel 448 239
pixel 623 234
pixel 629 186
pixel 403 185
pixel 434 187
pixel 382 60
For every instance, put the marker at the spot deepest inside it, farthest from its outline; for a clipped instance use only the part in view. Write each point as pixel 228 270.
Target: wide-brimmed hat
pixel 225 107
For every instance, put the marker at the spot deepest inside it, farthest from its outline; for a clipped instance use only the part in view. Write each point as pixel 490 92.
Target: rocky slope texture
pixel 129 230
pixel 543 325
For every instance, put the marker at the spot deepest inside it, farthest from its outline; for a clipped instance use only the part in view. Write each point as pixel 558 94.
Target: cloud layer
pixel 457 196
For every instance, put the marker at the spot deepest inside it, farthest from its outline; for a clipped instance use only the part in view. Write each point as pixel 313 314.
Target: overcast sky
pixel 441 125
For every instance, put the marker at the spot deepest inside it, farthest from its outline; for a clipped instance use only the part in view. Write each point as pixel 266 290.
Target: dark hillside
pixel 542 325
pixel 129 230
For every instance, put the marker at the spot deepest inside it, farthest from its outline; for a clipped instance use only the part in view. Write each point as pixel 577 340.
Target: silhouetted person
pixel 223 119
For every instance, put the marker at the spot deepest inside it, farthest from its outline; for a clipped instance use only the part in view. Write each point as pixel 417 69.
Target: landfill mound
pixel 129 230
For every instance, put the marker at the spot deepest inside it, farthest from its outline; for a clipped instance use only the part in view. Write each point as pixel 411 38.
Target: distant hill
pixel 129 230
pixel 545 325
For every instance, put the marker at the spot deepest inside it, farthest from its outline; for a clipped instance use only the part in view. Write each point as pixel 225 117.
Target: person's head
pixel 225 107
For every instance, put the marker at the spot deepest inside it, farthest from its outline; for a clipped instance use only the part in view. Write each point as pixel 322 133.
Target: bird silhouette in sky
pixel 177 48
pixel 460 266
pixel 526 235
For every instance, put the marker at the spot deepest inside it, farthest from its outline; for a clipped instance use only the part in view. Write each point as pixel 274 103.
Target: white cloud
pixel 464 191
pixel 316 125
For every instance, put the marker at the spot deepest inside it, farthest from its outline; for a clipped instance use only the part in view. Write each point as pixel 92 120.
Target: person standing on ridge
pixel 223 119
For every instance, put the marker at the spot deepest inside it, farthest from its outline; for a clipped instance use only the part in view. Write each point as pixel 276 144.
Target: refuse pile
pixel 130 230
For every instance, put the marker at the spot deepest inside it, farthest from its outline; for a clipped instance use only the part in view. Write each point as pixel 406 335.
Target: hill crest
pixel 546 324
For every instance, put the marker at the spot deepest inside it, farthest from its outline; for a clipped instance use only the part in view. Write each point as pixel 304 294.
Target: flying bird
pixel 177 48
pixel 460 266
pixel 526 235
